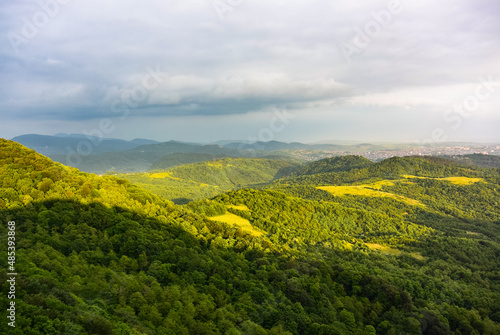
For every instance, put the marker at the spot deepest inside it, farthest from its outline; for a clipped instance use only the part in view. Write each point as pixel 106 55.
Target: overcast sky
pixel 290 70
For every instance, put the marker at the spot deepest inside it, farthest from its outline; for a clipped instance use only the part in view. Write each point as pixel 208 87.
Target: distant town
pixel 378 155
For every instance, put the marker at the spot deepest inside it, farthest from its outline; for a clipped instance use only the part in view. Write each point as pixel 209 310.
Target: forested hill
pixel 232 172
pixel 98 255
pixel 391 168
pixel 176 159
pixel 334 164
pixel 206 179
pixel 481 160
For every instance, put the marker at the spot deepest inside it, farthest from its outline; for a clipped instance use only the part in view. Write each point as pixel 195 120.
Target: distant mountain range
pixel 98 155
pixel 58 144
pixel 92 154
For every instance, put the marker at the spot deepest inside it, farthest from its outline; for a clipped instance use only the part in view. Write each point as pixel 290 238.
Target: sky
pixel 295 70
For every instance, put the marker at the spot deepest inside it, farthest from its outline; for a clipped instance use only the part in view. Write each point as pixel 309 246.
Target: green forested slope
pixel 206 179
pixel 334 164
pixel 98 255
pixel 392 168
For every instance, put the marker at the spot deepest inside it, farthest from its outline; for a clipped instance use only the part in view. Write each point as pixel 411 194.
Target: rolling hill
pixel 176 159
pixel 200 180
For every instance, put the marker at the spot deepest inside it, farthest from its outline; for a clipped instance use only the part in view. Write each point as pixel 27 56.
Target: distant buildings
pixel 312 155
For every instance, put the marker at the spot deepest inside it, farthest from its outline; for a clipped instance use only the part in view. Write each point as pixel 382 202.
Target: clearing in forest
pixel 454 180
pixel 239 207
pixel 163 175
pixel 238 221
pixel 385 250
pixel 367 190
pixel 463 180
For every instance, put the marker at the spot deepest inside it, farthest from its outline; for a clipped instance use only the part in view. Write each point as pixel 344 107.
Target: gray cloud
pixel 91 55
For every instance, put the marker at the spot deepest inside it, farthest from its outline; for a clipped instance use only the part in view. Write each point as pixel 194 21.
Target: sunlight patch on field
pixel 239 207
pixel 374 189
pixel 238 221
pixel 366 190
pixel 163 175
pixel 417 255
pixel 385 250
pixel 214 164
pixel 454 180
pixel 379 184
pixel 346 245
pixel 462 180
pixel 159 175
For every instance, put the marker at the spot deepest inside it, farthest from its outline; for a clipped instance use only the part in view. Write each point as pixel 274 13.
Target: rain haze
pixel 208 70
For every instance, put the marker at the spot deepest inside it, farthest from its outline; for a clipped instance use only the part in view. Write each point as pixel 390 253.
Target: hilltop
pixel 480 160
pixel 334 164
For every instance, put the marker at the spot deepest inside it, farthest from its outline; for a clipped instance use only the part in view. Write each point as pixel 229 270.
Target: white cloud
pixel 427 96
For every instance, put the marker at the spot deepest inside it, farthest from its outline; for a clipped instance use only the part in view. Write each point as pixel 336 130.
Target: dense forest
pixel 344 246
pixel 334 164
